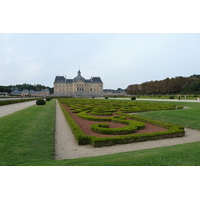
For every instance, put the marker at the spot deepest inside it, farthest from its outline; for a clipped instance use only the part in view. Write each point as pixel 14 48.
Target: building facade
pixel 78 87
pixel 32 93
pixel 110 92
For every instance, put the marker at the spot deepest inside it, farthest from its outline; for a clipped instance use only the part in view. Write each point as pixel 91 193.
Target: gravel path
pixel 11 108
pixel 66 146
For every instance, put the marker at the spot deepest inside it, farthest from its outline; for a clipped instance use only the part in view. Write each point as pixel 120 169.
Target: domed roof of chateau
pixel 79 77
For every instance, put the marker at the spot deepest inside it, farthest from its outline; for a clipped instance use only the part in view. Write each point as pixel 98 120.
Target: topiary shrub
pixel 48 98
pixel 133 98
pixel 106 97
pixel 40 102
pixel 171 97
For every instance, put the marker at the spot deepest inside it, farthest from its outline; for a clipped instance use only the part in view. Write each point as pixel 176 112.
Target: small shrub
pixel 133 98
pixel 106 97
pixel 48 98
pixel 171 97
pixel 40 102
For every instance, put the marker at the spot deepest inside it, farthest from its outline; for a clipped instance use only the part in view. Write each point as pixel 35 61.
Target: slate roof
pixel 33 92
pixel 69 80
pixel 62 79
pixel 16 92
pixel 78 77
pixel 25 91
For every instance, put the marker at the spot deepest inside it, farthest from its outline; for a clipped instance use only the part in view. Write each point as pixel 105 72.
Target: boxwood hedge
pixel 173 130
pixel 79 135
pixel 103 128
pixel 7 102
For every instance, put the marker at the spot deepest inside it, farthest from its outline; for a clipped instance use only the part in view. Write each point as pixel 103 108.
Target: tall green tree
pixel 167 86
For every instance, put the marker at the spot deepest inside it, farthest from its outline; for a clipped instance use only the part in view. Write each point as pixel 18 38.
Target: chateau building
pixel 79 86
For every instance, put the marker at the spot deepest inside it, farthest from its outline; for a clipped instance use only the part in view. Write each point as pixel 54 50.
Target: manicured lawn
pixel 188 117
pixel 191 97
pixel 28 135
pixel 166 97
pixel 27 139
pixel 178 155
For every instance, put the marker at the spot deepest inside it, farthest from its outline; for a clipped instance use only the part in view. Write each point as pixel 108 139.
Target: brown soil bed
pixel 85 125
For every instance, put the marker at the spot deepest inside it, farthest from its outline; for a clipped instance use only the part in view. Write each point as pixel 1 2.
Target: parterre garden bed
pixel 107 122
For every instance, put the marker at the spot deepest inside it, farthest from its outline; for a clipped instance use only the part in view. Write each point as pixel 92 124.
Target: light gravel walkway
pixel 11 108
pixel 66 146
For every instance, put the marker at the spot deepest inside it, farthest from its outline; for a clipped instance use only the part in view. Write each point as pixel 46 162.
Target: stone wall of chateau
pixel 78 86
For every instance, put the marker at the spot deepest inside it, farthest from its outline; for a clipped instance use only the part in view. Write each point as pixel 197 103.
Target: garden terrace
pixel 84 115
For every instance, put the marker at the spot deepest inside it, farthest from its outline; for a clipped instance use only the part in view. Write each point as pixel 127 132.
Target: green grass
pixel 191 97
pixel 188 117
pixel 27 139
pixel 178 155
pixel 28 135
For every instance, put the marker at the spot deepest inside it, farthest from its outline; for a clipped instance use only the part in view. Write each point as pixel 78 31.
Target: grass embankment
pixel 28 135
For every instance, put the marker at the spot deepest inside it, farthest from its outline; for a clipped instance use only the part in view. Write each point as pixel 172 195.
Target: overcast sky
pixel 123 42
pixel 120 59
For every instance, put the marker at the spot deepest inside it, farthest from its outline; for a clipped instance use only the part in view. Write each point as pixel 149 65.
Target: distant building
pixel 110 92
pixel 79 86
pixel 26 92
pixel 16 92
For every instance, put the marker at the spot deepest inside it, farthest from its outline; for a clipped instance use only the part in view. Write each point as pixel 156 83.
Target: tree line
pixel 36 87
pixel 182 85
